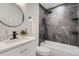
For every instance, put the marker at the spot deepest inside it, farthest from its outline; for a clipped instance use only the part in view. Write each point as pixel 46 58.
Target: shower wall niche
pixel 62 24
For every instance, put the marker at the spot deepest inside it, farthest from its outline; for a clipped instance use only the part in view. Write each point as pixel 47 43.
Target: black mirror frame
pixel 20 23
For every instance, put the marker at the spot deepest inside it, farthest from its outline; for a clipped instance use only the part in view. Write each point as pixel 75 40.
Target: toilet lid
pixel 43 50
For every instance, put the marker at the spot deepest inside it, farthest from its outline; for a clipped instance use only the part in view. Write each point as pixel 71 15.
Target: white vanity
pixel 18 47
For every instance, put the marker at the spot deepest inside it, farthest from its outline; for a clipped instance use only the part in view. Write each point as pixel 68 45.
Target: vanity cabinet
pixel 26 49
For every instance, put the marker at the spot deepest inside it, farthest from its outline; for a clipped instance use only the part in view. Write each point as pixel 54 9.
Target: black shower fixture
pixel 48 12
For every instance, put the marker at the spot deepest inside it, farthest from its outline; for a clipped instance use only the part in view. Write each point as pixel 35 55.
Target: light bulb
pixel 30 18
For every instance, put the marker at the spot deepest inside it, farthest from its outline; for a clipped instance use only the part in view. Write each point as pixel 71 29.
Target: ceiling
pixel 50 5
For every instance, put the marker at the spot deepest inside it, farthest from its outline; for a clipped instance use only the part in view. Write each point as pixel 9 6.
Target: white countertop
pixel 10 44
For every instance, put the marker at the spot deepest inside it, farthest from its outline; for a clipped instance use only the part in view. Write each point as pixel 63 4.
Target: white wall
pixel 29 9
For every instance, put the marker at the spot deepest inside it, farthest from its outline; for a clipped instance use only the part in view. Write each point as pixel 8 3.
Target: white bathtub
pixel 59 49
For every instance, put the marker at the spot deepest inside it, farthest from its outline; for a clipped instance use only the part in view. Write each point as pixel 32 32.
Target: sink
pixel 11 41
pixel 18 40
pixel 8 44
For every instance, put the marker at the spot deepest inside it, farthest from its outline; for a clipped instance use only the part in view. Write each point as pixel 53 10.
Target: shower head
pixel 47 12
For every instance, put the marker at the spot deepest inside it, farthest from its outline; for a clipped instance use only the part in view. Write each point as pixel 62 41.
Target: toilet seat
pixel 43 51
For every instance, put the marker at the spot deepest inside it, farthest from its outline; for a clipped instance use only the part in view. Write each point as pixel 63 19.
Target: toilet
pixel 42 51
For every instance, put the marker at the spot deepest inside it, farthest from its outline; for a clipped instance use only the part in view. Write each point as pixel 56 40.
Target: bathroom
pixel 39 29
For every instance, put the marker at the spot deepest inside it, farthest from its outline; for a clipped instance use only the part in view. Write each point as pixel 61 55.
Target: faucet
pixel 14 35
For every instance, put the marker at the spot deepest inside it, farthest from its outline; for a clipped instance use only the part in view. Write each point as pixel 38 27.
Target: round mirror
pixel 11 15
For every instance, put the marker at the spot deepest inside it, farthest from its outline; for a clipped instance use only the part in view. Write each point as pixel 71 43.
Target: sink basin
pixel 11 41
pixel 17 40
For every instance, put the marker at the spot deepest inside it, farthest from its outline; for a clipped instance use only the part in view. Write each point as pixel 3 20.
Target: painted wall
pixel 33 11
pixel 29 9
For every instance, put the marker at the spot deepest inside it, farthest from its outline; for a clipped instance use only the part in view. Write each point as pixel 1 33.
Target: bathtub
pixel 60 49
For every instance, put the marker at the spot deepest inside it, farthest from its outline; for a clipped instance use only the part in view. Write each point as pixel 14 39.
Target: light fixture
pixel 31 20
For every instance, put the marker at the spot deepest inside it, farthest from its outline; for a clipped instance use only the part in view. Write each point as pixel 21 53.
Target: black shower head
pixel 47 12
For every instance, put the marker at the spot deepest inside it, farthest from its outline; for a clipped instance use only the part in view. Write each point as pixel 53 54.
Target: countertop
pixel 6 45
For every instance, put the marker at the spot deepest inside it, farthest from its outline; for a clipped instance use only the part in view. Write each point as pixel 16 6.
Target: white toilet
pixel 42 51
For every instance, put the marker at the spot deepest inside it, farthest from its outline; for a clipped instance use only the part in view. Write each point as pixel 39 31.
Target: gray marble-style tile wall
pixel 61 27
pixel 78 25
pixel 62 24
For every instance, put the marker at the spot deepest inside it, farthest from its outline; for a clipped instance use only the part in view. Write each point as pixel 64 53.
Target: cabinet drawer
pixel 27 49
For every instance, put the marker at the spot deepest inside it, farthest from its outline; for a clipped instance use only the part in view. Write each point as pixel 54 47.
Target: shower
pixel 60 24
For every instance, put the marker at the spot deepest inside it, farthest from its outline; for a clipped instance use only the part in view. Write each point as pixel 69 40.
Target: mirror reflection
pixel 11 15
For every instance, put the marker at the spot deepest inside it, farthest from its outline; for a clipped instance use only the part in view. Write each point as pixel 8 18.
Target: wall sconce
pixel 31 20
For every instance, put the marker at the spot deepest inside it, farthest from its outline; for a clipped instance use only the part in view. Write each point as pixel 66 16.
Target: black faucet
pixel 14 35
